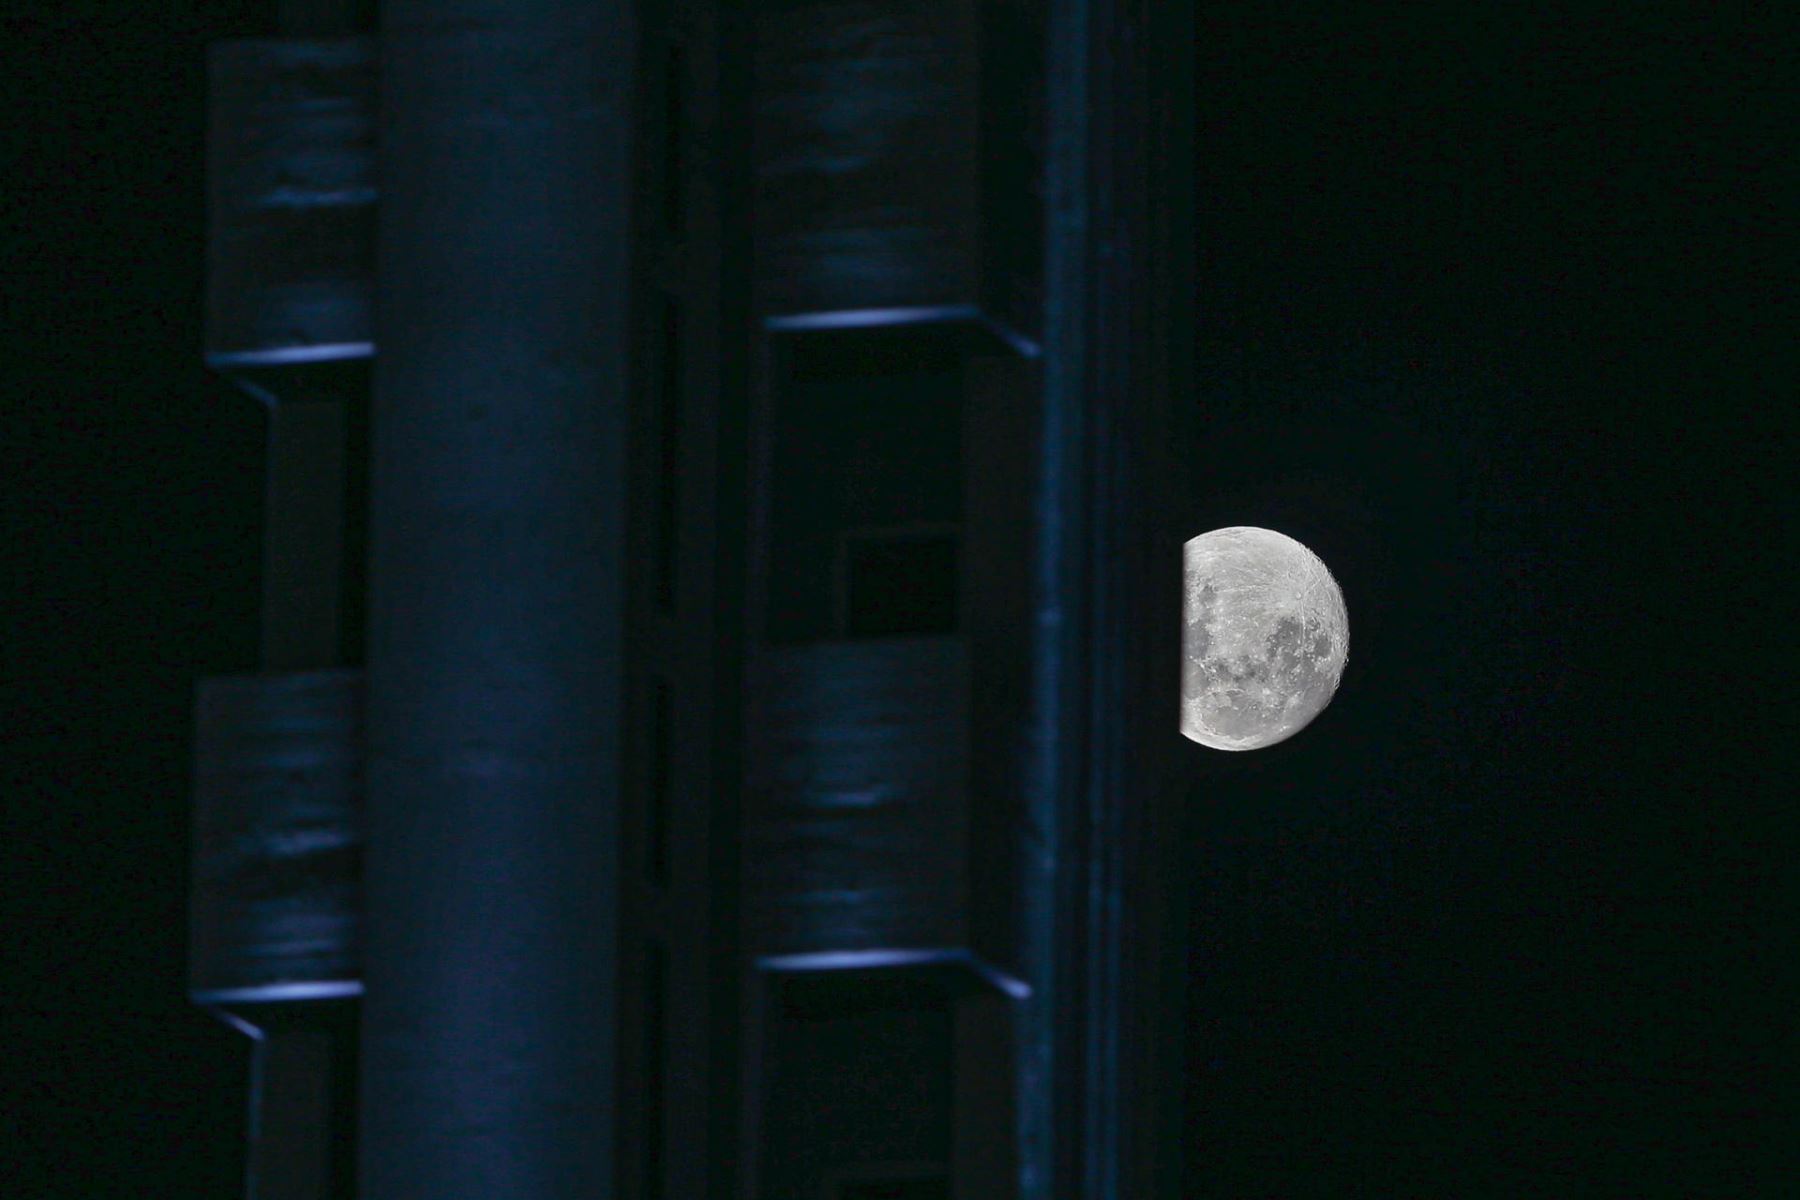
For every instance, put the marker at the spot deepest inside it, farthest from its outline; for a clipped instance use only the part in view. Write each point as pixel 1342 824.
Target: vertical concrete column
pixel 496 599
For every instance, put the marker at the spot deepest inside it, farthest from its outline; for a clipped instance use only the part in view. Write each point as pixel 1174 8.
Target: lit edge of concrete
pixel 854 960
pixel 280 993
pixel 874 318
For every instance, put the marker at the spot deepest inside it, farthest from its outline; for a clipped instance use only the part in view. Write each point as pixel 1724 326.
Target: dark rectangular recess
pixel 346 1072
pixel 315 512
pixel 865 435
pixel 835 995
pixel 303 527
pixel 900 583
pixel 353 578
pixel 675 135
pixel 661 789
pixel 290 1148
pixel 858 1082
pixel 668 385
pixel 861 352
pixel 335 1117
pixel 656 1060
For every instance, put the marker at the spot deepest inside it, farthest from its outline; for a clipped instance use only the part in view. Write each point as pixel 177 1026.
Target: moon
pixel 1265 640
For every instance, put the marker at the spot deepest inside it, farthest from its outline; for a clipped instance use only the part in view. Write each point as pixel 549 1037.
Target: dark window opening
pixel 668 384
pixel 859 1084
pixel 315 514
pixel 899 584
pixel 865 482
pixel 345 1073
pixel 353 579
pixel 656 835
pixel 656 969
pixel 674 184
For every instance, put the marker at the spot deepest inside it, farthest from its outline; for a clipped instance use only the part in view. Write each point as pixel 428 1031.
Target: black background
pixel 130 543
pixel 1486 315
pixel 1486 320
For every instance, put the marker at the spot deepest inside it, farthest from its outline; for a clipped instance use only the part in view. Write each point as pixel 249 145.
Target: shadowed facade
pixel 693 564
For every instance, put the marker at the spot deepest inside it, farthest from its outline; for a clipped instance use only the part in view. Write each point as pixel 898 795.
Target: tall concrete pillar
pixel 496 599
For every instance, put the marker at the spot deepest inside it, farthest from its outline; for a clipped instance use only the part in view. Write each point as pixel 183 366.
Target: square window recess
pixel 898 581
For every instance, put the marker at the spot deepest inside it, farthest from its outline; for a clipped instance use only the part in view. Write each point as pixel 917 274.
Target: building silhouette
pixel 698 541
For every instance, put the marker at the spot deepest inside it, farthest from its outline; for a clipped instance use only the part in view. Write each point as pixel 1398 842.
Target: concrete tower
pixel 708 655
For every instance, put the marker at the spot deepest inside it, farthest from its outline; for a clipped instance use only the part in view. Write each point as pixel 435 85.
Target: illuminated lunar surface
pixel 1265 640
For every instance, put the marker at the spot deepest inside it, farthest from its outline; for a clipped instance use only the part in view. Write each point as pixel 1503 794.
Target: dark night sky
pixel 1497 297
pixel 130 499
pixel 1493 332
